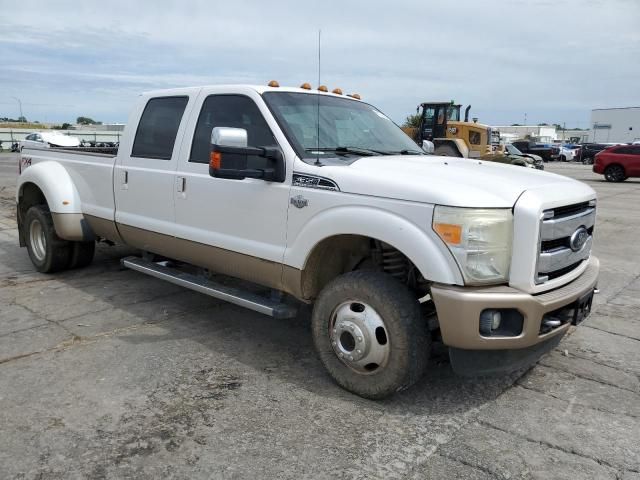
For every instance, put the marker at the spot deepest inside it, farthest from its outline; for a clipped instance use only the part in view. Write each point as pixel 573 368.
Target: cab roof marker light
pixel 323 88
pixel 354 95
pixel 273 83
pixel 306 86
pixel 337 91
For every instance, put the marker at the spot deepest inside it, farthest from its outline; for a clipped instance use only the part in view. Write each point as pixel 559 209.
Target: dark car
pixel 618 163
pixel 589 151
pixel 547 152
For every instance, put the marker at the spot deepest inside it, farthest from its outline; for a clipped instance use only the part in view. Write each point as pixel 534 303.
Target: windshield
pixel 346 127
pixel 513 150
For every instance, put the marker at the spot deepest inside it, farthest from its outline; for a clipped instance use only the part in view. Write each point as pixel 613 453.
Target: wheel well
pixel 616 165
pixel 30 195
pixel 339 254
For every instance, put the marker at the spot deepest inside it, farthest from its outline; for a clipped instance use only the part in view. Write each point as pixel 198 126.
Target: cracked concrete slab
pixel 510 456
pixel 568 426
pixel 589 369
pixel 580 391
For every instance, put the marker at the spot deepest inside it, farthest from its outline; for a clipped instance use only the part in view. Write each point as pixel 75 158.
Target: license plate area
pixel 582 308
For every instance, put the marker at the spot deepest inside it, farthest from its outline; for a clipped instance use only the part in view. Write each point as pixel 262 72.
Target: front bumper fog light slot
pixel 503 322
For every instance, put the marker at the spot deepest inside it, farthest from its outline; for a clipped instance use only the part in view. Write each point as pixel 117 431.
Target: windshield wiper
pixel 348 150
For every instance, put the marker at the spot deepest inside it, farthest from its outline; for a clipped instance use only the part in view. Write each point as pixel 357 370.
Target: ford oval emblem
pixel 578 239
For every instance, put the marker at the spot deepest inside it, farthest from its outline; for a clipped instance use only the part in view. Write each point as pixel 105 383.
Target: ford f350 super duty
pixel 322 199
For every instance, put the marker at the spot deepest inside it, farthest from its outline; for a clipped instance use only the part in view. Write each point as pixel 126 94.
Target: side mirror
pixel 229 157
pixel 428 146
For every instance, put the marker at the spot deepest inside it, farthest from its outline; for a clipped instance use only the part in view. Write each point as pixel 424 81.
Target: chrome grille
pixel 556 257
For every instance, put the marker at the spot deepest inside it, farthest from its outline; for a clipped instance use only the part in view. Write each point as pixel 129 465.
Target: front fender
pixel 428 254
pixel 62 198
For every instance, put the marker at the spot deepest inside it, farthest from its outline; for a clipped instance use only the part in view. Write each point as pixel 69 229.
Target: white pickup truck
pixel 322 199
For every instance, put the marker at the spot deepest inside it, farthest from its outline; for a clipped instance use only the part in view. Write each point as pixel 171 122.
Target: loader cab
pixel 434 119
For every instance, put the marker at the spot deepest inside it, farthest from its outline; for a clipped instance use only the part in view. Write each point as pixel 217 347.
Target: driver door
pixel 238 226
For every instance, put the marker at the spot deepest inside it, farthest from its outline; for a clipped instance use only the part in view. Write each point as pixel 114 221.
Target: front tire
pixel 446 151
pixel 614 173
pixel 48 252
pixel 369 334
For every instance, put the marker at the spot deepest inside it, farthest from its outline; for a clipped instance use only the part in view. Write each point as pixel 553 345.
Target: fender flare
pixel 427 253
pixel 62 198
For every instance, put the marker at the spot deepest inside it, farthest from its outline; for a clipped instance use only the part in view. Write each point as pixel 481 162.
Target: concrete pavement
pixel 106 373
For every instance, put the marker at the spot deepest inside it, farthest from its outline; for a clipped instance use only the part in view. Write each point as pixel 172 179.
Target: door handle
pixel 181 184
pixel 125 180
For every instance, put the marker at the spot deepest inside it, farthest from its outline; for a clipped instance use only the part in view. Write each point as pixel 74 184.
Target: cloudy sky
pixel 554 60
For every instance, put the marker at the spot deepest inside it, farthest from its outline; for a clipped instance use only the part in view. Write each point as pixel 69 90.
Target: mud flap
pixel 21 239
pixel 471 363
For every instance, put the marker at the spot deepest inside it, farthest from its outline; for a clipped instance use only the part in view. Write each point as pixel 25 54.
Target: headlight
pixel 479 239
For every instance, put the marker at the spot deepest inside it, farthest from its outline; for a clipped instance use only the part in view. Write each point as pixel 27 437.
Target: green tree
pixel 87 121
pixel 412 121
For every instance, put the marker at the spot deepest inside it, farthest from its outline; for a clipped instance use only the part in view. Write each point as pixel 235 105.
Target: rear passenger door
pixel 144 173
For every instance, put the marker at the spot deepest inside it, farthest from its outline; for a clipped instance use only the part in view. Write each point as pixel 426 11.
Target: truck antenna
pixel 317 163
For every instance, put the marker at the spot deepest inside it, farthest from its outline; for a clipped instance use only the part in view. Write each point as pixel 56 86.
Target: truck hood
pixel 443 180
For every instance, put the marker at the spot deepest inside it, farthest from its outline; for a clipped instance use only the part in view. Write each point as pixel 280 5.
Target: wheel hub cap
pixel 359 337
pixel 38 240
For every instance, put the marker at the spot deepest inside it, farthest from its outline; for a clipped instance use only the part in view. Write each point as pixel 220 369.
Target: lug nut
pixel 358 352
pixel 359 339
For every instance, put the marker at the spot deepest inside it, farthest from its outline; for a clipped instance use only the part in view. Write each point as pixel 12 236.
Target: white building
pixel 541 133
pixel 615 125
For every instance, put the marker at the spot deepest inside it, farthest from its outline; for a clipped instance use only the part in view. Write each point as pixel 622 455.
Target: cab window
pixel 236 111
pixel 474 137
pixel 158 127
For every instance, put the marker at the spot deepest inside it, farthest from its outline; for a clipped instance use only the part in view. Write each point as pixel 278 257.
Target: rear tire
pixel 369 334
pixel 48 252
pixel 81 254
pixel 446 151
pixel 614 173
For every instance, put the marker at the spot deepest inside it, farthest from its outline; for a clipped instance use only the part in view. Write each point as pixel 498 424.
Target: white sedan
pixel 49 139
pixel 567 154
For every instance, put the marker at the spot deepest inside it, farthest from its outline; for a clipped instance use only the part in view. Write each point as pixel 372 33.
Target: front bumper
pixel 459 309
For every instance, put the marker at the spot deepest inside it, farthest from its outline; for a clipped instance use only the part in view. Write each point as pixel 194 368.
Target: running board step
pixel 248 300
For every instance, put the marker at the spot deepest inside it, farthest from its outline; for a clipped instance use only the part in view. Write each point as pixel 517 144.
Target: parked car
pixel 618 163
pixel 568 153
pixel 509 154
pixel 513 150
pixel 392 247
pixel 547 152
pixel 49 139
pixel 589 150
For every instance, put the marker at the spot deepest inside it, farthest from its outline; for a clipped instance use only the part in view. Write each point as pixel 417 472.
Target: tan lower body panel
pixel 104 228
pixel 73 227
pixel 219 260
pixel 459 309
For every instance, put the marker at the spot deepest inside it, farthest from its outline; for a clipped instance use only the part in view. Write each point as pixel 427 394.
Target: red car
pixel 618 163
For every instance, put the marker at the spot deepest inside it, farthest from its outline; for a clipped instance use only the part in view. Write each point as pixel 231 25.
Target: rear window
pixel 158 127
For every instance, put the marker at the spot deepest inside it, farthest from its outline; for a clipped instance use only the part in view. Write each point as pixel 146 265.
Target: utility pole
pixel 20 105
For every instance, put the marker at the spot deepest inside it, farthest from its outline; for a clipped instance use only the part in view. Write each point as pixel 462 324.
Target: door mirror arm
pixel 271 174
